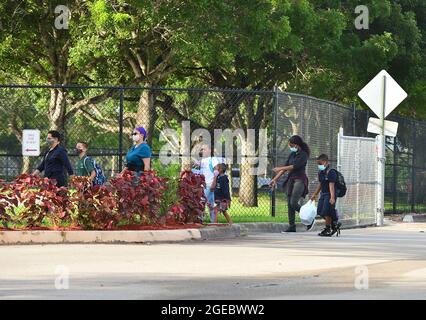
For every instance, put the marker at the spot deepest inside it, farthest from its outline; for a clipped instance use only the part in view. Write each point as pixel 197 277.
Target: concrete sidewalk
pixel 260 266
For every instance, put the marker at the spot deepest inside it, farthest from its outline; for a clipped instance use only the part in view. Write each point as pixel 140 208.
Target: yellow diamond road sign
pixel 372 94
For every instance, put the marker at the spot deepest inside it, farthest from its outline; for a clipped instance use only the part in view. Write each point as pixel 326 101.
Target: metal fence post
pixel 413 169
pixel 394 180
pixel 274 147
pixel 353 104
pixel 120 135
pixel 7 168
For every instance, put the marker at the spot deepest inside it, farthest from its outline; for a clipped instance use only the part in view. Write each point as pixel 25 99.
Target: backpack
pixel 341 188
pixel 100 177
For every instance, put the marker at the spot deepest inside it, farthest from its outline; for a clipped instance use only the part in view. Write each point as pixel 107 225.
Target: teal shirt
pixel 136 154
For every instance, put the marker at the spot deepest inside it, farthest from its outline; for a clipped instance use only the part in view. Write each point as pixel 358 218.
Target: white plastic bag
pixel 308 212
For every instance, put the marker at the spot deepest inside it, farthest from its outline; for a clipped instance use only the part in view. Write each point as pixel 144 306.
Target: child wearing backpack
pixel 222 196
pixel 87 167
pixel 328 187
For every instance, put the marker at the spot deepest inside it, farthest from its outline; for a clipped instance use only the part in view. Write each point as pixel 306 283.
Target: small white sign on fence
pixel 31 143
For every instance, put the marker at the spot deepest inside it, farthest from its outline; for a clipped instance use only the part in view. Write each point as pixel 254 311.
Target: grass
pixel 404 207
pixel 261 213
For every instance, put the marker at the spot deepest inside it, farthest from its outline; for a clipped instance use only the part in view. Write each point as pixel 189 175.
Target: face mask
pixel 216 173
pixel 293 149
pixel 50 142
pixel 136 138
pixel 322 167
pixel 79 151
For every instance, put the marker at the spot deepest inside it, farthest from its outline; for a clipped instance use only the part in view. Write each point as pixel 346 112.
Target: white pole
pixel 339 166
pixel 381 163
pixel 358 178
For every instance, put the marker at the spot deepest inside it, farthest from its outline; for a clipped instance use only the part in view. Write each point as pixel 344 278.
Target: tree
pixel 33 50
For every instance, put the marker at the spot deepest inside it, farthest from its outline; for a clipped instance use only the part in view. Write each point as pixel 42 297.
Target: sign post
pixel 381 165
pixel 382 95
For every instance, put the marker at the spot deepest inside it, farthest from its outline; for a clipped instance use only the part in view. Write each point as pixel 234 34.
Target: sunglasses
pixel 135 133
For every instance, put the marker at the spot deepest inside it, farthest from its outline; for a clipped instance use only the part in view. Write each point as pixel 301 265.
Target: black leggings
pixel 293 201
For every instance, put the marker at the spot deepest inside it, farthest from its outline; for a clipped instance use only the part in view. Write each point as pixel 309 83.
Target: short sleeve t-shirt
pixel 84 167
pixel 221 192
pixel 137 153
pixel 298 160
pixel 325 177
pixel 207 168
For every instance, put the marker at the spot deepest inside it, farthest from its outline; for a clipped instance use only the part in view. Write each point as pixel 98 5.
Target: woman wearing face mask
pixel 55 161
pixel 138 158
pixel 296 183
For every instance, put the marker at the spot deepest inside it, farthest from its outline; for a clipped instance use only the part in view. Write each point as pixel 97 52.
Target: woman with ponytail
pixel 296 183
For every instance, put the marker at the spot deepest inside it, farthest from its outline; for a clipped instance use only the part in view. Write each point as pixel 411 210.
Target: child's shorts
pixel 222 205
pixel 325 209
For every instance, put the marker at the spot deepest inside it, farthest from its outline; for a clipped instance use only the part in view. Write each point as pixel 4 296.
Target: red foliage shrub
pixel 192 200
pixel 129 199
pixel 41 198
pixel 95 206
pixel 7 201
pixel 139 197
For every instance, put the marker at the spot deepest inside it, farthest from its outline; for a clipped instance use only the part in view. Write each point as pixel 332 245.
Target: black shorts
pixel 325 209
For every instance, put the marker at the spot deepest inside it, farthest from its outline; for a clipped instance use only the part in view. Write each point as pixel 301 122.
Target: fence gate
pixel 357 161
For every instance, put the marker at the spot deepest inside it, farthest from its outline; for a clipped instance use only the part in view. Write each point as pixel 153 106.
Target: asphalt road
pixel 373 263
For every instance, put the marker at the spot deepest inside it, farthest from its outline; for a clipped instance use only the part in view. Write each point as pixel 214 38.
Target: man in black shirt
pixel 55 161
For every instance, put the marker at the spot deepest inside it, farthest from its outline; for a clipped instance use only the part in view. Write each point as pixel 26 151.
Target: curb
pixel 273 227
pixel 223 232
pixel 410 218
pixel 128 236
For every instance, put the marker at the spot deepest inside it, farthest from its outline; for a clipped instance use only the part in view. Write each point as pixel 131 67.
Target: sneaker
pixel 335 229
pixel 290 229
pixel 325 233
pixel 311 226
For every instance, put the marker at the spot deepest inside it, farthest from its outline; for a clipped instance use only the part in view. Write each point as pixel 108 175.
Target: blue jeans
pixel 210 203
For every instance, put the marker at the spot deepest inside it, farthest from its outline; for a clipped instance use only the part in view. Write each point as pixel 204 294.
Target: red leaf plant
pixel 94 207
pixel 192 200
pixel 7 202
pixel 139 198
pixel 40 198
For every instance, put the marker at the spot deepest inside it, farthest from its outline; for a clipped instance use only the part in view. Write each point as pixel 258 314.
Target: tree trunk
pixel 25 165
pixel 247 194
pixel 147 115
pixel 57 110
pixel 185 147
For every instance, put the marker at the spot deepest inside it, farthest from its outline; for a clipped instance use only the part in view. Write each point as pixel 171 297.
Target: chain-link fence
pixel 104 117
pixel 357 161
pixel 318 122
pixel 405 178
